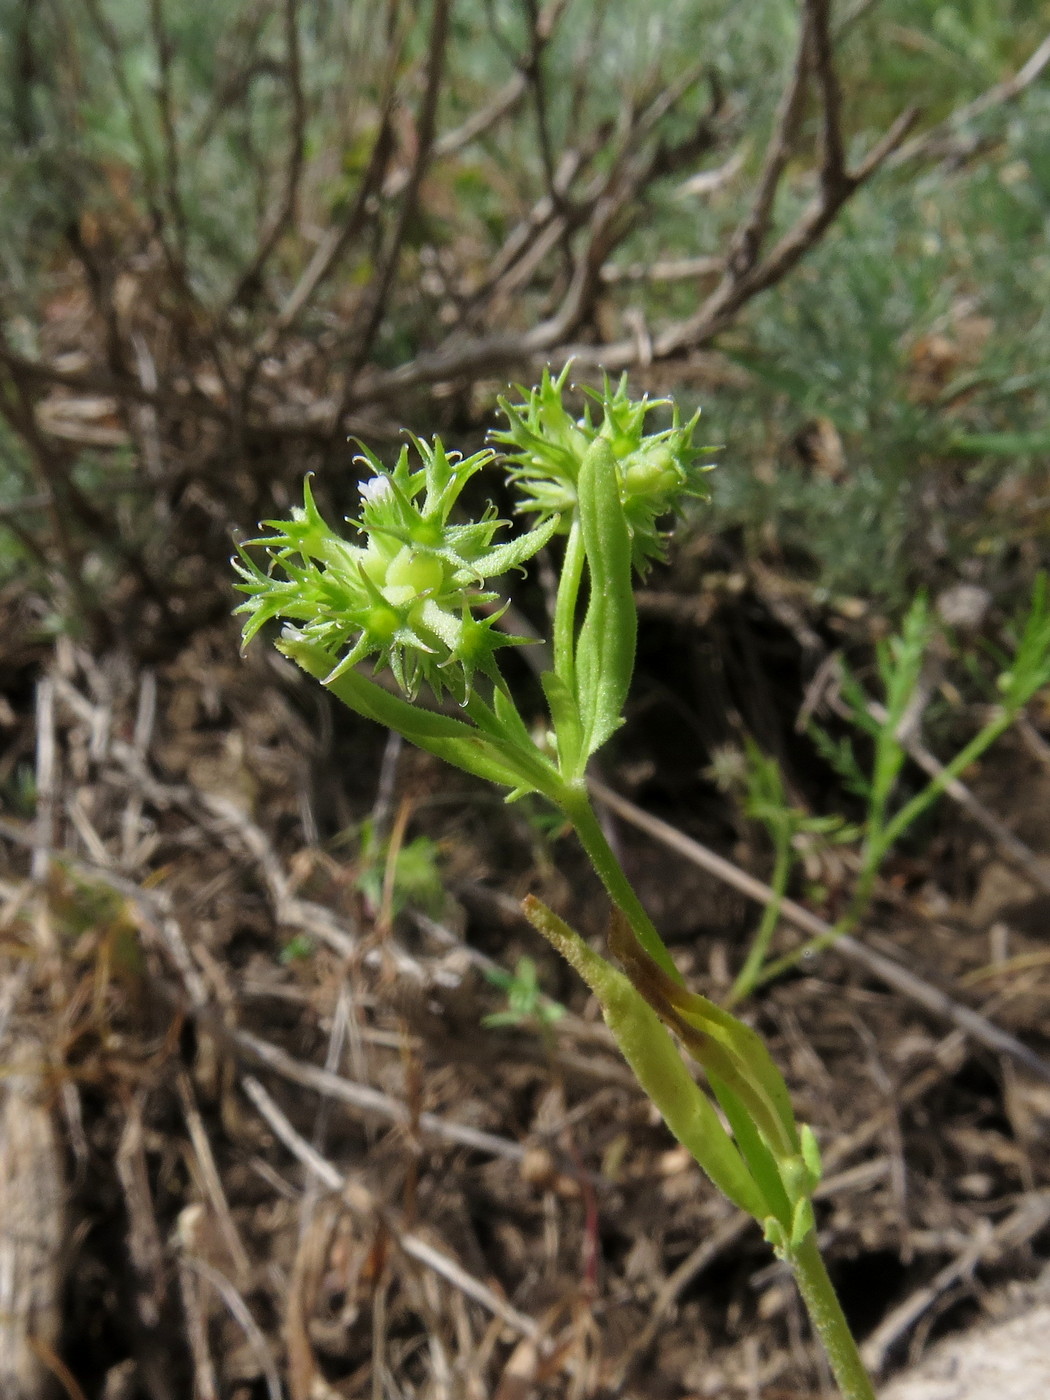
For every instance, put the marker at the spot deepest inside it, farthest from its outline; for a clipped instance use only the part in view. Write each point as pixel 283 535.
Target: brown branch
pixel 537 88
pixel 727 299
pixel 605 202
pixel 745 277
pixel 425 134
pixel 336 241
pixel 99 278
pixel 114 48
pixel 833 163
pixel 17 410
pixel 749 238
pixel 559 213
pixel 240 47
pixel 66 501
pixel 118 386
pixel 936 141
pixel 288 206
pixel 504 102
pixel 393 183
pixel 165 49
pixel 536 228
pixel 666 270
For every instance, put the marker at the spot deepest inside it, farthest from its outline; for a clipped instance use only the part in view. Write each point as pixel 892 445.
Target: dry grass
pixel 322 1177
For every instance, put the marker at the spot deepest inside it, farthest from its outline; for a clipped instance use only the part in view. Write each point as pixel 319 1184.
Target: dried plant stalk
pixel 32 1218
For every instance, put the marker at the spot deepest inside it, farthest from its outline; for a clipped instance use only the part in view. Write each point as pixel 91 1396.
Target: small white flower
pixel 376 488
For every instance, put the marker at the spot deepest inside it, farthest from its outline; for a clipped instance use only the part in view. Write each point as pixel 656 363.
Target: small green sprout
pixel 890 724
pixel 298 949
pixel 792 830
pixel 526 1003
pixel 416 876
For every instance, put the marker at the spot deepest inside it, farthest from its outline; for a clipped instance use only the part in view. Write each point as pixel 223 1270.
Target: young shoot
pixel 526 1003
pixel 759 783
pixel 891 723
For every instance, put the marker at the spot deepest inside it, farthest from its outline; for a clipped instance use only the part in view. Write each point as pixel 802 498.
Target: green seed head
pixel 406 595
pixel 656 471
pixel 410 574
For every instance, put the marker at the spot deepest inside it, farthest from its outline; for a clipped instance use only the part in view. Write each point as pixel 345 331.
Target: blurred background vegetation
pixel 233 237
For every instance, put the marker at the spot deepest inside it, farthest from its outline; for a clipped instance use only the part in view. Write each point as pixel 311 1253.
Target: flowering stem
pixel 829 1321
pixel 576 806
pixel 565 606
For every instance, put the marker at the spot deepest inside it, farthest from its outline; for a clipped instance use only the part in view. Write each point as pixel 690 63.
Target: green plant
pixel 298 949
pixel 414 879
pixel 901 663
pixel 526 1002
pixel 415 596
pixel 789 826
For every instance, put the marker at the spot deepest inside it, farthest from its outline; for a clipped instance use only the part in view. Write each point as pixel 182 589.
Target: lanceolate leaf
pixel 566 716
pixel 605 653
pixel 720 1042
pixel 450 739
pixel 658 1066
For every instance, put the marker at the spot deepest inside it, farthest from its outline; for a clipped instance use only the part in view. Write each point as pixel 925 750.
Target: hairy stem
pixel 579 811
pixel 829 1321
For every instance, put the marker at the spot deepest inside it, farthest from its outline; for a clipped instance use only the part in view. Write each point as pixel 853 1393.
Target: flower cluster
pixel 409 594
pixel 412 593
pixel 655 471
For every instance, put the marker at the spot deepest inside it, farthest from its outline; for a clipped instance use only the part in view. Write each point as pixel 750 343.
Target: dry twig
pixel 907 983
pixel 1020 1226
pixel 364 1204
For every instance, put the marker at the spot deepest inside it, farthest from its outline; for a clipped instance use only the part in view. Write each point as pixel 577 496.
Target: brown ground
pixel 320 1175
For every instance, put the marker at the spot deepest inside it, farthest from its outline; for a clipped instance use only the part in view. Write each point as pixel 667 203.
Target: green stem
pixel 813 945
pixel 750 974
pixel 515 747
pixel 829 1321
pixel 872 856
pixel 936 786
pixel 565 606
pixel 579 811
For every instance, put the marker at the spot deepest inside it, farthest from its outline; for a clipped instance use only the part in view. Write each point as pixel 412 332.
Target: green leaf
pixel 511 555
pixel 1029 670
pixel 567 727
pixel 724 1045
pixel 811 1153
pixel 450 739
pixel 605 652
pixel 509 718
pixel 649 1050
pixel 760 1160
pixel 840 756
